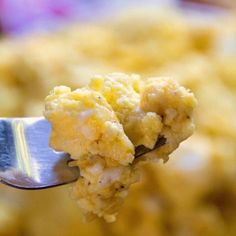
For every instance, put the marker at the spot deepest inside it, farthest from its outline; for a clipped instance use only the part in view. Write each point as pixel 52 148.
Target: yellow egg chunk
pixel 83 123
pixel 175 104
pixel 122 93
pixel 101 124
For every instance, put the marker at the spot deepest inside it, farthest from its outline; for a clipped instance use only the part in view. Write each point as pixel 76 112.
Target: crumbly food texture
pixel 101 125
pixel 175 105
pixel 83 123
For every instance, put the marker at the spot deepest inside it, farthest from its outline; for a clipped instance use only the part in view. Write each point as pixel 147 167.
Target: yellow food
pixel 100 126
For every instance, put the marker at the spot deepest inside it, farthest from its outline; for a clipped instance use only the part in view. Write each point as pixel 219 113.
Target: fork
pixel 27 161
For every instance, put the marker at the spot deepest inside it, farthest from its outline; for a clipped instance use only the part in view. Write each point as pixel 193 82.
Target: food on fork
pixel 101 124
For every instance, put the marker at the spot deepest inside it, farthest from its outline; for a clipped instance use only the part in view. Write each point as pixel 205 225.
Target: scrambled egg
pixel 192 194
pixel 101 124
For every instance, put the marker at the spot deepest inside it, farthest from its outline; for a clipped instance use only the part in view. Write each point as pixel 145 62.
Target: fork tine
pixel 142 150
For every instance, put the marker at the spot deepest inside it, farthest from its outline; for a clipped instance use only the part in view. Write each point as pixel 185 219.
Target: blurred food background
pixel 63 42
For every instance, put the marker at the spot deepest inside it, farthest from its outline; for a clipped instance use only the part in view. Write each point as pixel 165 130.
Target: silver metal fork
pixel 27 161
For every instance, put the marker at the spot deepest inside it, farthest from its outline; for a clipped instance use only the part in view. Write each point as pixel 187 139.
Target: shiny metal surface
pixel 26 160
pixel 142 150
